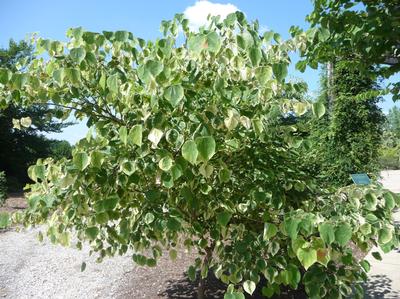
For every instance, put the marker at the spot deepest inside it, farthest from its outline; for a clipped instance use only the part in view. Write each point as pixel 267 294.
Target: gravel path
pixel 30 269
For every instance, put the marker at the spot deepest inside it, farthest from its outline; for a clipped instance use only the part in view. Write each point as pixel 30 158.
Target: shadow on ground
pixel 215 289
pixel 379 287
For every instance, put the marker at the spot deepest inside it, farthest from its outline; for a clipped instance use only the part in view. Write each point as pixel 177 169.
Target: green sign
pixel 360 179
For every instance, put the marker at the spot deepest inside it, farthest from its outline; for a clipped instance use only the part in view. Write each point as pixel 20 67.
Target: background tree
pixel 365 30
pixel 356 124
pixel 393 121
pixel 390 151
pixel 347 140
pixel 21 148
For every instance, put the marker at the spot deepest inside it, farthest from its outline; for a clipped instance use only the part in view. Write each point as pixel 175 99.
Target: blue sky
pixel 51 19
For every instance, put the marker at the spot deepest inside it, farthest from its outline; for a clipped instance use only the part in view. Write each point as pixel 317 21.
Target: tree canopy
pixel 362 30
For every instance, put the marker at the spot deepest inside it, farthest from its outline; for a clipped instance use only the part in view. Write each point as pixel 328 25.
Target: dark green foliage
pixel 60 149
pixel 3 187
pixel 21 148
pixel 389 157
pixel 14 53
pixel 363 29
pixel 390 151
pixel 348 139
pixel 393 123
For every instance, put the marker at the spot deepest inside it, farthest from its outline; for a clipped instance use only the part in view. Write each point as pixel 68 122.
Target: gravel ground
pixel 30 269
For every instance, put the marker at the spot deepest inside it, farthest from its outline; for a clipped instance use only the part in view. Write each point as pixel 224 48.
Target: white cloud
pixel 197 14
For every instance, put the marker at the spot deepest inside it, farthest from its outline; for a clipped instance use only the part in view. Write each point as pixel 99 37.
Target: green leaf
pixel 4 220
pixel 280 71
pixel 249 286
pixel 268 291
pixel 97 159
pixel 300 108
pixel 123 135
pixel 190 152
pixel 245 40
pixel 91 233
pixel 102 218
pixel 154 67
pixel 206 147
pixel 77 54
pixel 223 218
pixel 294 275
pixel 196 44
pixel 75 32
pixel 149 218
pixel 40 171
pixel 128 167
pixel 19 80
pixel 59 75
pixel 173 254
pixel 263 74
pixel 224 175
pixel 384 235
pixel 327 232
pixel 365 228
pixel 389 201
pixel 73 75
pixel 307 257
pixel 5 76
pixel 26 122
pixel 268 35
pixel 165 163
pixel 174 94
pixel 292 227
pixel 135 135
pixel 155 136
pixel 151 262
pixel 83 266
pixel 343 234
pixel 192 273
pixel 301 65
pixel 110 203
pixel 232 120
pixel 258 126
pixel 173 224
pixel 366 265
pixel 213 42
pixel 81 160
pixel 270 230
pixel 255 56
pixel 323 34
pixel 377 255
pixel 103 81
pixel 318 109
pixel 121 36
pixel 176 172
pixel 112 83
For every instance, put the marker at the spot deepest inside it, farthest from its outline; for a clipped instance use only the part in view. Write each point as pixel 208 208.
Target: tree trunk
pixel 201 288
pixel 330 86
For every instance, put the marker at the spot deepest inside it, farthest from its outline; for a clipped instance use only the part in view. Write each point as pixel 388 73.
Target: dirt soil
pixel 14 202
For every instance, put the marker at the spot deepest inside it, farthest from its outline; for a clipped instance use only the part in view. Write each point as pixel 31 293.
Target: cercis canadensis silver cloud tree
pixel 188 147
